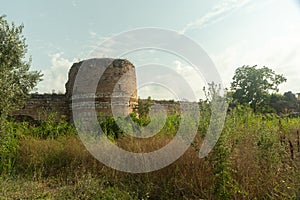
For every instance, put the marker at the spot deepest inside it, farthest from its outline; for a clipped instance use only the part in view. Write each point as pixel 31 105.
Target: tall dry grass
pixel 250 161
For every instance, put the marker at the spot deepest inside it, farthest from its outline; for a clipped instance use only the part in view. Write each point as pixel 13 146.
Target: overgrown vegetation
pixel 251 160
pixel 16 79
pixel 256 157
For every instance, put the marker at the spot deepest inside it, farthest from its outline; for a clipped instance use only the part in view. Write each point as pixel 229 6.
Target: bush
pixel 15 131
pixel 9 146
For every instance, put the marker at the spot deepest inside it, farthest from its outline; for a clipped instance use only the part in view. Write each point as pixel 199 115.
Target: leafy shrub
pixel 110 126
pixel 52 128
pixel 9 146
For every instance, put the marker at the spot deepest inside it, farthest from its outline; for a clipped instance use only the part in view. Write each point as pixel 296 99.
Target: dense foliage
pixel 286 103
pixel 252 85
pixel 252 159
pixel 16 79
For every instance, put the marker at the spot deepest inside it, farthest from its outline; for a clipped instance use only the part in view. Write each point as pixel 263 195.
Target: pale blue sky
pixel 232 32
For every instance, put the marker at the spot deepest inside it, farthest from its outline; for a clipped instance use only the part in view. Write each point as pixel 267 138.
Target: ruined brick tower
pixel 116 86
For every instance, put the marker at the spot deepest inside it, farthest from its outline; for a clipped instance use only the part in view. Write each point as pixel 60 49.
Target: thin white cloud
pixel 74 4
pixel 216 14
pixel 195 80
pixel 92 34
pixel 56 75
pixel 182 82
pixel 280 53
pixel 94 46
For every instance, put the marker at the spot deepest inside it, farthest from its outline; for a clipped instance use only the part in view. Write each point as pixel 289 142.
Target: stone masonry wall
pixel 116 86
pixel 118 81
pixel 38 106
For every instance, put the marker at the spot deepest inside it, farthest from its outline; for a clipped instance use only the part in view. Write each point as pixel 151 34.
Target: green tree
pixel 251 85
pixel 277 103
pixel 16 79
pixel 292 101
pixel 285 103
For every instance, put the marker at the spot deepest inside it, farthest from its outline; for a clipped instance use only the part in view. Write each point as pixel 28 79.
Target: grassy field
pixel 256 157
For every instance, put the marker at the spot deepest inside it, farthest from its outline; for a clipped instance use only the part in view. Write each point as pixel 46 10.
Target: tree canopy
pixel 285 103
pixel 252 85
pixel 16 78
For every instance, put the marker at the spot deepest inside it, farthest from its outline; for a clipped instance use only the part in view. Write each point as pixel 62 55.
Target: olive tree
pixel 16 78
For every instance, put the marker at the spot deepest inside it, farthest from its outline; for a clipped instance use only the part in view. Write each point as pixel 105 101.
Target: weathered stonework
pixel 170 106
pixel 117 86
pixel 118 81
pixel 38 106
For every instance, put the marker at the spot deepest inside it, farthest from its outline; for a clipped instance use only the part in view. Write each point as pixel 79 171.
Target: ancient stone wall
pixel 170 106
pixel 117 87
pixel 38 106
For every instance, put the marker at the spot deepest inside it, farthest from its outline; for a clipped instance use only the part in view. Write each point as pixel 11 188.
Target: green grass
pixel 250 161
